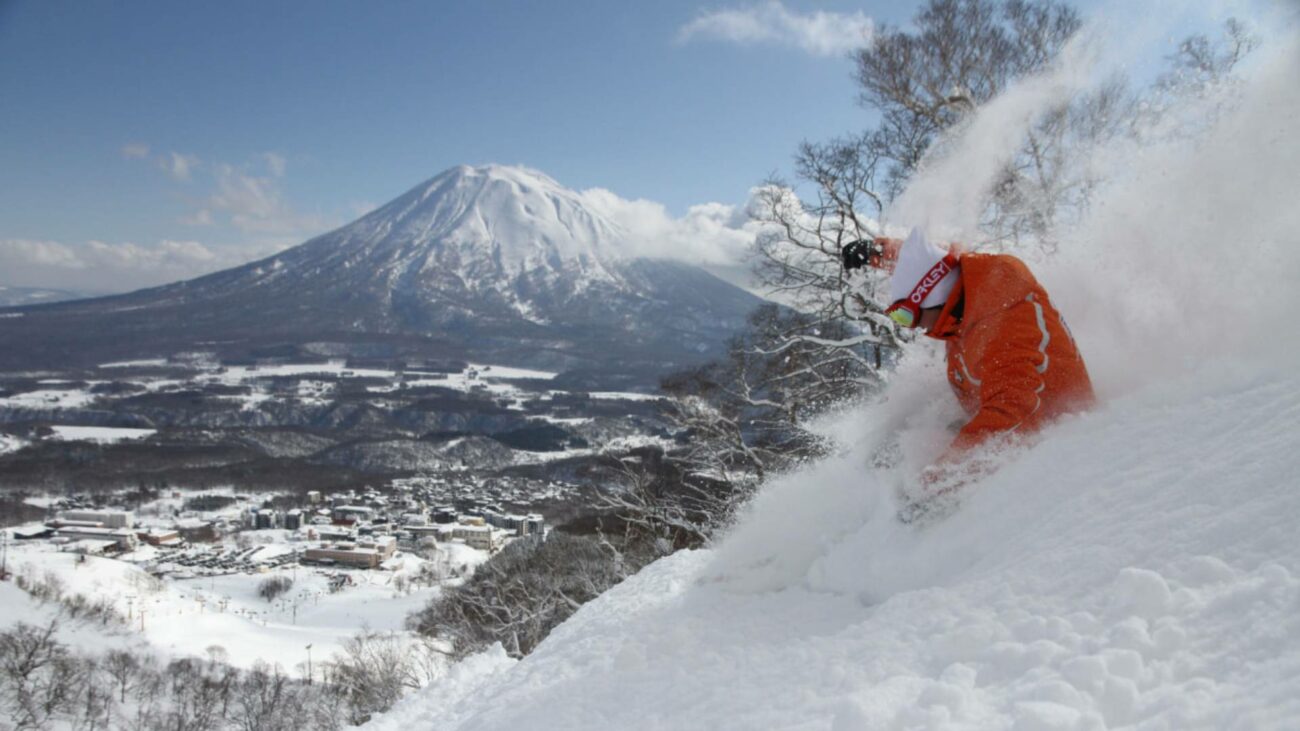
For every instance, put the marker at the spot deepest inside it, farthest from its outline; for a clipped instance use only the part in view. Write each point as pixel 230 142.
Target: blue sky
pixel 146 141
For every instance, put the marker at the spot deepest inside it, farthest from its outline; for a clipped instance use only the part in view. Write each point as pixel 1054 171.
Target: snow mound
pixel 1138 567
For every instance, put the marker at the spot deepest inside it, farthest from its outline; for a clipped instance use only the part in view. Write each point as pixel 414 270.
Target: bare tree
pixel 521 593
pixel 961 54
pixel 1201 62
pixel 264 701
pixel 661 507
pixel 1048 183
pixel 741 419
pixel 92 706
pixel 37 674
pixel 122 668
pixel 273 586
pixel 375 669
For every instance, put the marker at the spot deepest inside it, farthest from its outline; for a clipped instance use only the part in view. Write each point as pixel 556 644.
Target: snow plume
pixel 948 192
pixel 1190 255
pixel 1187 250
pixel 1178 285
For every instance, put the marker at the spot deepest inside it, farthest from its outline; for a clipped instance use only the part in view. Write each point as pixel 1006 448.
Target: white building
pixel 482 537
pixel 106 518
pixel 123 537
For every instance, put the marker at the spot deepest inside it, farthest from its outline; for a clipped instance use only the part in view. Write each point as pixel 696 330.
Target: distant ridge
pixel 18 296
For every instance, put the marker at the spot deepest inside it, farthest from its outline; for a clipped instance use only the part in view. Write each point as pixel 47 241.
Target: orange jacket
pixel 1011 359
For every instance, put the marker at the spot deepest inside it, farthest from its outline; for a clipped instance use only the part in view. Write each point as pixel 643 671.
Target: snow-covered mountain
pixel 489 262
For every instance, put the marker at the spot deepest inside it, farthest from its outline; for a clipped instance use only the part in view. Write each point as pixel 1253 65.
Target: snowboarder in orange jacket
pixel 1011 359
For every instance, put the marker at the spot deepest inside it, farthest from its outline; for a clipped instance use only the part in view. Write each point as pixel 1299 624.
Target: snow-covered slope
pixel 1138 568
pixel 1141 565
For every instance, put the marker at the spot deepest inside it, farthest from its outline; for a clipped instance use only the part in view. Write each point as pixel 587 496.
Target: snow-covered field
pixel 17 606
pixel 10 443
pixel 187 616
pixel 317 384
pixel 499 381
pixel 1139 567
pixel 48 398
pixel 144 363
pixel 100 434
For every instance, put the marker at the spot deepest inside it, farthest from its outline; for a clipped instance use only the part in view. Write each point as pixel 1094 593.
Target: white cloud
pixel 100 266
pixel 165 255
pixel 819 33
pixel 275 163
pixel 243 203
pixel 255 205
pixel 716 236
pixel 40 253
pixel 201 217
pixel 178 165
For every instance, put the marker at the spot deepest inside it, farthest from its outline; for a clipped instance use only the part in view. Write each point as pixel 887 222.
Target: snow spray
pixel 1182 273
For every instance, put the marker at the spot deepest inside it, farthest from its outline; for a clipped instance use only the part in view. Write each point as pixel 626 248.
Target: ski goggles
pixel 904 313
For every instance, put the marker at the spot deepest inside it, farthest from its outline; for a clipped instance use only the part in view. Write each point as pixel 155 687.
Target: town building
pixel 385 545
pixel 440 532
pixel 160 537
pixel 330 534
pixel 27 534
pixel 349 514
pixel 105 518
pixel 482 537
pixel 364 554
pixel 122 538
pixel 89 546
pixel 517 525
pixel 195 530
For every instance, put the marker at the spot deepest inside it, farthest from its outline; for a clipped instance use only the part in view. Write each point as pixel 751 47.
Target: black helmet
pixel 859 253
